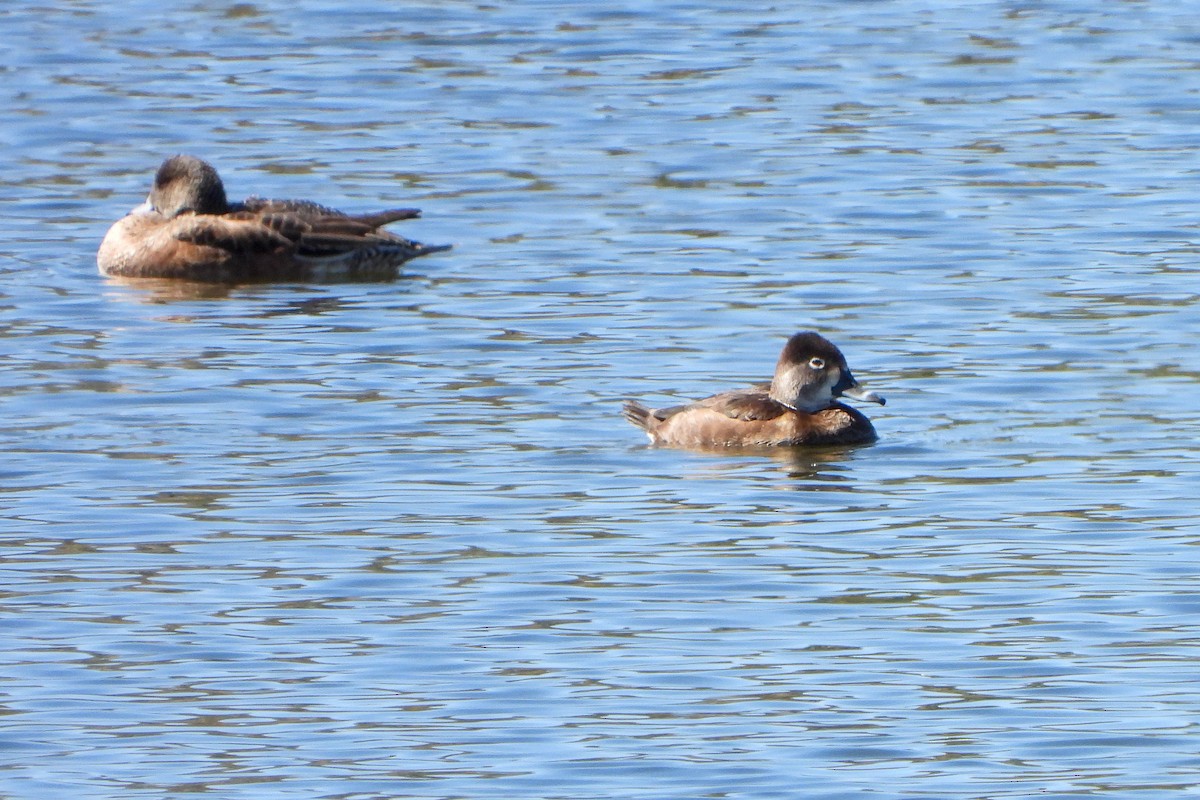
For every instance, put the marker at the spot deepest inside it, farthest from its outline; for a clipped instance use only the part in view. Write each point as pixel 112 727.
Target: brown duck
pixel 798 407
pixel 186 229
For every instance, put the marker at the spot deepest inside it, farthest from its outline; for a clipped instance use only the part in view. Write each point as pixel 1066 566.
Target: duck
pixel 187 229
pixel 798 407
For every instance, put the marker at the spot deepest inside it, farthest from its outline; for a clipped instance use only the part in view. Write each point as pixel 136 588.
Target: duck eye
pixel 816 363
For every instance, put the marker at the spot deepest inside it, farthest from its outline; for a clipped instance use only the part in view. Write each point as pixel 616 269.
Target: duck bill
pixel 848 387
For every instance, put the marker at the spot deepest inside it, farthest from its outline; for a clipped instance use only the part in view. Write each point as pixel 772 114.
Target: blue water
pixel 394 540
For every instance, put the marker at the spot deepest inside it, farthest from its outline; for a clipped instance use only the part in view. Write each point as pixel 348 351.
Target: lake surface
pixel 394 540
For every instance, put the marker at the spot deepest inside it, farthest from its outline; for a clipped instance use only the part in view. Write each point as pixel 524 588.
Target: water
pixel 394 540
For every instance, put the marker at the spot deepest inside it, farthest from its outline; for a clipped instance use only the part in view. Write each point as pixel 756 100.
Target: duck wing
pixel 235 233
pixel 745 404
pixel 314 211
pixel 319 231
pixel 272 226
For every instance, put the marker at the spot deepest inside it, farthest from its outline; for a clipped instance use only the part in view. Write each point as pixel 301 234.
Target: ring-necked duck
pixel 798 407
pixel 186 229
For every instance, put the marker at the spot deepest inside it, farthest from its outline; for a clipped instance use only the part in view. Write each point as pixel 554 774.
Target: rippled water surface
pixel 394 540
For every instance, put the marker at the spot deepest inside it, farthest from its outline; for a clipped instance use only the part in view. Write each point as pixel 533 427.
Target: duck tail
pixel 397 252
pixel 426 249
pixel 637 414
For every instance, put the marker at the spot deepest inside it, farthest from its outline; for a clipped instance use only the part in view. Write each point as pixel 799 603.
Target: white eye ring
pixel 816 363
